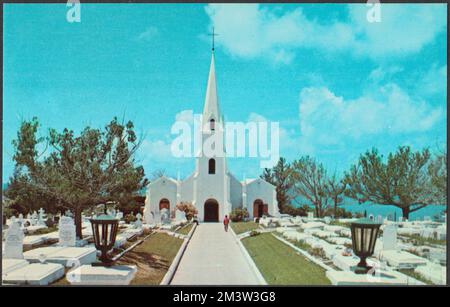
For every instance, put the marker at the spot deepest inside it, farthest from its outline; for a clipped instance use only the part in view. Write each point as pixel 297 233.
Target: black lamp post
pixel 364 236
pixel 104 229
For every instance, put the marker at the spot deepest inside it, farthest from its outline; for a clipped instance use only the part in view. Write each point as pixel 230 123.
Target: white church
pixel 212 189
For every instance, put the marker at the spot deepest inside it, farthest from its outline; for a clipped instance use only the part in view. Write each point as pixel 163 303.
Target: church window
pixel 212 166
pixel 212 124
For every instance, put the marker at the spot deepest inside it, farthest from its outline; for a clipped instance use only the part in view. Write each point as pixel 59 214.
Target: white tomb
pixel 98 275
pixel 35 274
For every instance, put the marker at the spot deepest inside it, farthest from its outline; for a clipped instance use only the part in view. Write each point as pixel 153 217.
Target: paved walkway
pixel 213 257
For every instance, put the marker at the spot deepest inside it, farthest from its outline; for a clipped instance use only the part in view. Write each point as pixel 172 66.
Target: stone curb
pixel 249 259
pixel 176 261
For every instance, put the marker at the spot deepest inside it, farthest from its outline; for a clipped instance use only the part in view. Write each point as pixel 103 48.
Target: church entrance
pixel 259 208
pixel 211 211
pixel 164 204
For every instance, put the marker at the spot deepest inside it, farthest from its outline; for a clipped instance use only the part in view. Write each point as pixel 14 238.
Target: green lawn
pixel 241 227
pixel 153 258
pixel 280 264
pixel 185 229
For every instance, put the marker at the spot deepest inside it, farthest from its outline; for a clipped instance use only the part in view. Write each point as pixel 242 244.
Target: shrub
pixel 130 218
pixel 239 215
pixel 296 211
pixel 254 233
pixel 49 222
pixel 340 213
pixel 318 252
pixel 188 208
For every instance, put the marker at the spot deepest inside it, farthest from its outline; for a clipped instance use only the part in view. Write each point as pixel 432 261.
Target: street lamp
pixel 104 230
pixel 364 235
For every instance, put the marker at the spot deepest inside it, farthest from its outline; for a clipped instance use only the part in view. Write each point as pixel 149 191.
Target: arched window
pixel 212 166
pixel 212 124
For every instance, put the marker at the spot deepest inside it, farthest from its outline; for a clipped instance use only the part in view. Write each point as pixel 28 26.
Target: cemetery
pixel 140 253
pixel 309 250
pixel 327 244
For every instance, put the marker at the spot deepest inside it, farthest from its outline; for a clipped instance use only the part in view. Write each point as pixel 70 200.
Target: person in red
pixel 226 221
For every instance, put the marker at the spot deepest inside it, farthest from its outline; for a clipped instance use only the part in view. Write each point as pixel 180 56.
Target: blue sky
pixel 337 84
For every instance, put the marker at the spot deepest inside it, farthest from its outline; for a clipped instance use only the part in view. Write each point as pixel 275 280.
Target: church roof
pixel 212 108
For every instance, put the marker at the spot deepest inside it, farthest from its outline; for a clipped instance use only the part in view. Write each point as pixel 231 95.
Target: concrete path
pixel 213 257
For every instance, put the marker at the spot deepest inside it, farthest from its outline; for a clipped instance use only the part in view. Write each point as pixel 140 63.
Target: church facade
pixel 212 188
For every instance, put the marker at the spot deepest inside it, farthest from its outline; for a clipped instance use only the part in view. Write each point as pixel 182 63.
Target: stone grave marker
pixel 42 217
pixel 67 233
pixel 138 222
pixel 390 237
pixel 165 217
pixel 14 242
pixel 179 215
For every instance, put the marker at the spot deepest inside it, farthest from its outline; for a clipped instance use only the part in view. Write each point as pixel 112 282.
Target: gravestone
pixel 41 217
pixel 390 237
pixel 310 215
pixel 138 223
pixel 148 217
pixel 179 215
pixel 14 242
pixel 34 218
pixel 165 217
pixel 67 233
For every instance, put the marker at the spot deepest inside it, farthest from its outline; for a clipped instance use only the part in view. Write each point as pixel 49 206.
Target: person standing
pixel 226 221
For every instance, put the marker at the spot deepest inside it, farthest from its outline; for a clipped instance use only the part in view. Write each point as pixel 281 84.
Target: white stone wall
pixel 163 187
pixel 260 189
pixel 235 192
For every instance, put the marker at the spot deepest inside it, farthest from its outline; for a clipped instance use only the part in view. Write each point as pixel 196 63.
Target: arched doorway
pixel 259 208
pixel 164 203
pixel 211 211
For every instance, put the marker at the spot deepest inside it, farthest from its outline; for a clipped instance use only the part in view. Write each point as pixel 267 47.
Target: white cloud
pixel 328 119
pixel 384 73
pixel 252 30
pixel 150 33
pixel 403 28
pixel 154 149
pixel 185 116
pixel 434 80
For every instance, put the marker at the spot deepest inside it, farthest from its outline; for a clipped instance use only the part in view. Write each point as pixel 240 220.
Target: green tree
pixel 402 181
pixel 335 189
pixel 82 171
pixel 310 181
pixel 437 170
pixel 281 177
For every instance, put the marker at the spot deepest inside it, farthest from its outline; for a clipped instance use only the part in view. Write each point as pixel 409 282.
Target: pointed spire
pixel 212 108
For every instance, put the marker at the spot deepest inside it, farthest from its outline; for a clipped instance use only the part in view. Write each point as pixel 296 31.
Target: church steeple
pixel 212 109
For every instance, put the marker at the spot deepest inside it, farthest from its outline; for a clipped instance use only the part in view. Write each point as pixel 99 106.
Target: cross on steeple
pixel 213 34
